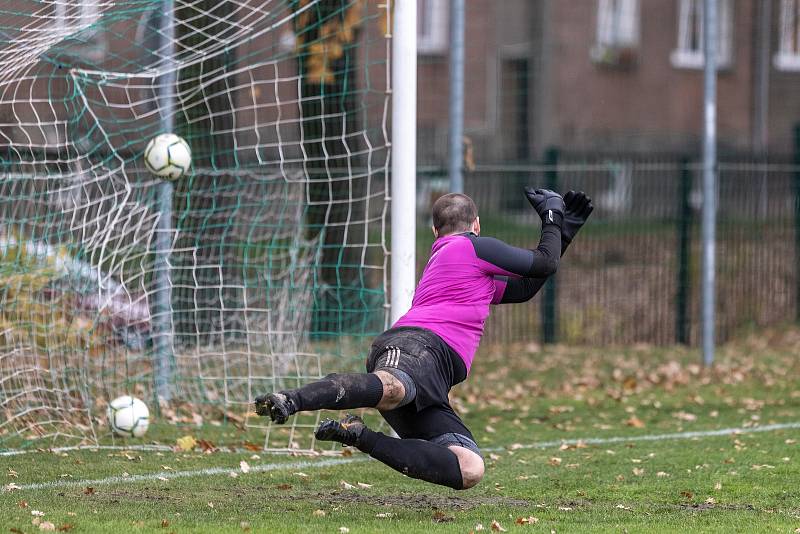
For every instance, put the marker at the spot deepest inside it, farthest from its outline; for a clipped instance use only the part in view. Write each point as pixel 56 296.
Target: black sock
pixel 339 392
pixel 416 458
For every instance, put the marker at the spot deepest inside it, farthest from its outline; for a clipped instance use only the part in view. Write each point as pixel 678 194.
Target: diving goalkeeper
pixel 412 366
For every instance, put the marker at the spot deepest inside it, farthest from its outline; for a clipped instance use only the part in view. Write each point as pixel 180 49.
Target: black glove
pixel 548 204
pixel 578 208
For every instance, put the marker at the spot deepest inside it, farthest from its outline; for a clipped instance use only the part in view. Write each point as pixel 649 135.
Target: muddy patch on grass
pixel 418 502
pixel 152 495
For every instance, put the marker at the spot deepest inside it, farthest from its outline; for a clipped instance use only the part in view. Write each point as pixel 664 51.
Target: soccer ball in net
pixel 128 416
pixel 168 156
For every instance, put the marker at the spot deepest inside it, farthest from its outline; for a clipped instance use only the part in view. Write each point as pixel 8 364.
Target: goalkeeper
pixel 412 366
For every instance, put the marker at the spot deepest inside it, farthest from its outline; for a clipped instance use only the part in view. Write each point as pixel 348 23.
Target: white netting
pixel 276 253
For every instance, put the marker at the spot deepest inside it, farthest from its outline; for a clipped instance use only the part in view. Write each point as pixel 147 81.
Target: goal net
pixel 264 268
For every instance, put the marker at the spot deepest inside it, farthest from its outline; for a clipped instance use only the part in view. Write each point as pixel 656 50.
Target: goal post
pixel 272 268
pixel 404 155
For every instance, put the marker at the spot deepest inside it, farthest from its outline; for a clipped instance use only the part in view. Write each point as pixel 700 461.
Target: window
pixel 617 31
pixel 77 16
pixel 788 56
pixel 432 26
pixel 689 53
pixel 75 20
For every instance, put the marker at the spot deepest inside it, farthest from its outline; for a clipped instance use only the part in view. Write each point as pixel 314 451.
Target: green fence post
pixel 550 289
pixel 684 251
pixel 797 219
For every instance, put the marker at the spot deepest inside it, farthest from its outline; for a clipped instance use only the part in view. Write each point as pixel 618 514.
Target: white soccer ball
pixel 128 416
pixel 168 156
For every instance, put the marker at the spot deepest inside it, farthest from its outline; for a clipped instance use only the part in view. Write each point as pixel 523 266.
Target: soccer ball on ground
pixel 128 416
pixel 168 156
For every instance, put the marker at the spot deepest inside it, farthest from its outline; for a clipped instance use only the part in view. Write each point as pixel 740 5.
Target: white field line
pixel 309 464
pixel 653 437
pixel 168 475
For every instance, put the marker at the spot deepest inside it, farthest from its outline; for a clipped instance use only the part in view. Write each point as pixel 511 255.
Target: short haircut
pixel 453 213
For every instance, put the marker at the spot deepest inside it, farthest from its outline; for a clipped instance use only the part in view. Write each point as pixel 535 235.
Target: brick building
pixel 611 75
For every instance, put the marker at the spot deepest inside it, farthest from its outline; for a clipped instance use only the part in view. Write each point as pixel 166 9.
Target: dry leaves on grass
pixel 441 517
pixel 497 527
pixel 554 461
pixel 530 520
pixel 318 513
pixel 635 422
pixel 185 444
pixel 244 466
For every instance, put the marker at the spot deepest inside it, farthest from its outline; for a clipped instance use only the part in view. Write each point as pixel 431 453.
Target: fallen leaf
pixel 18 531
pixel 244 466
pixel 37 513
pixel 12 473
pixel 163 479
pixel 635 422
pixel 206 446
pixel 245 526
pixel 164 523
pixel 347 452
pixel 497 527
pixel 441 517
pixel 623 507
pixel 284 486
pixel 384 514
pixel 186 443
pixel 564 508
pixel 530 520
pixel 22 504
pixel 554 461
pixel 344 530
pixel 88 490
pixel 345 485
pixel 478 527
pixel 718 486
pixel 638 471
pixel 210 504
pixel 318 513
pixel 662 474
pixel 711 500
pixel 364 486
pixel 490 429
pixel 687 494
pixel 251 446
pixel 11 487
pixel 47 525
pixel 66 527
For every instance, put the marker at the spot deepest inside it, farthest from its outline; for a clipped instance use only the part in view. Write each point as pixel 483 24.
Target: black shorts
pixel 435 368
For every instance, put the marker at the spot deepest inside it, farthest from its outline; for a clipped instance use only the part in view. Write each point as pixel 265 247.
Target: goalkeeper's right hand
pixel 578 208
pixel 548 204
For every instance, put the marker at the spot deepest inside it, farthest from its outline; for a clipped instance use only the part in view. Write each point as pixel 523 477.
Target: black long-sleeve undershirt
pixel 523 289
pixel 540 262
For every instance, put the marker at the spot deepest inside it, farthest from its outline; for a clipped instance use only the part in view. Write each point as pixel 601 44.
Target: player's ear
pixel 476 226
pixel 435 232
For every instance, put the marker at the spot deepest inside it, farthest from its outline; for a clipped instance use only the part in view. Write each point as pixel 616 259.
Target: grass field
pixel 575 439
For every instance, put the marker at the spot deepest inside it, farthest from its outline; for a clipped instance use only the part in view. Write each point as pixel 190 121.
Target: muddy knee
pixel 398 388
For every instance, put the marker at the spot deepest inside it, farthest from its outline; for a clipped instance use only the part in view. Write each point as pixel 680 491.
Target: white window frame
pixel 432 26
pixel 69 22
pixel 617 23
pixel 689 52
pixel 617 30
pixel 788 55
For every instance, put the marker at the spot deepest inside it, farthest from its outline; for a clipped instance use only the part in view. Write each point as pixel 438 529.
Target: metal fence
pixel 633 273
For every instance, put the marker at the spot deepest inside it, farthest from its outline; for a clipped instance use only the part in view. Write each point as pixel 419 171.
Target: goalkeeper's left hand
pixel 578 207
